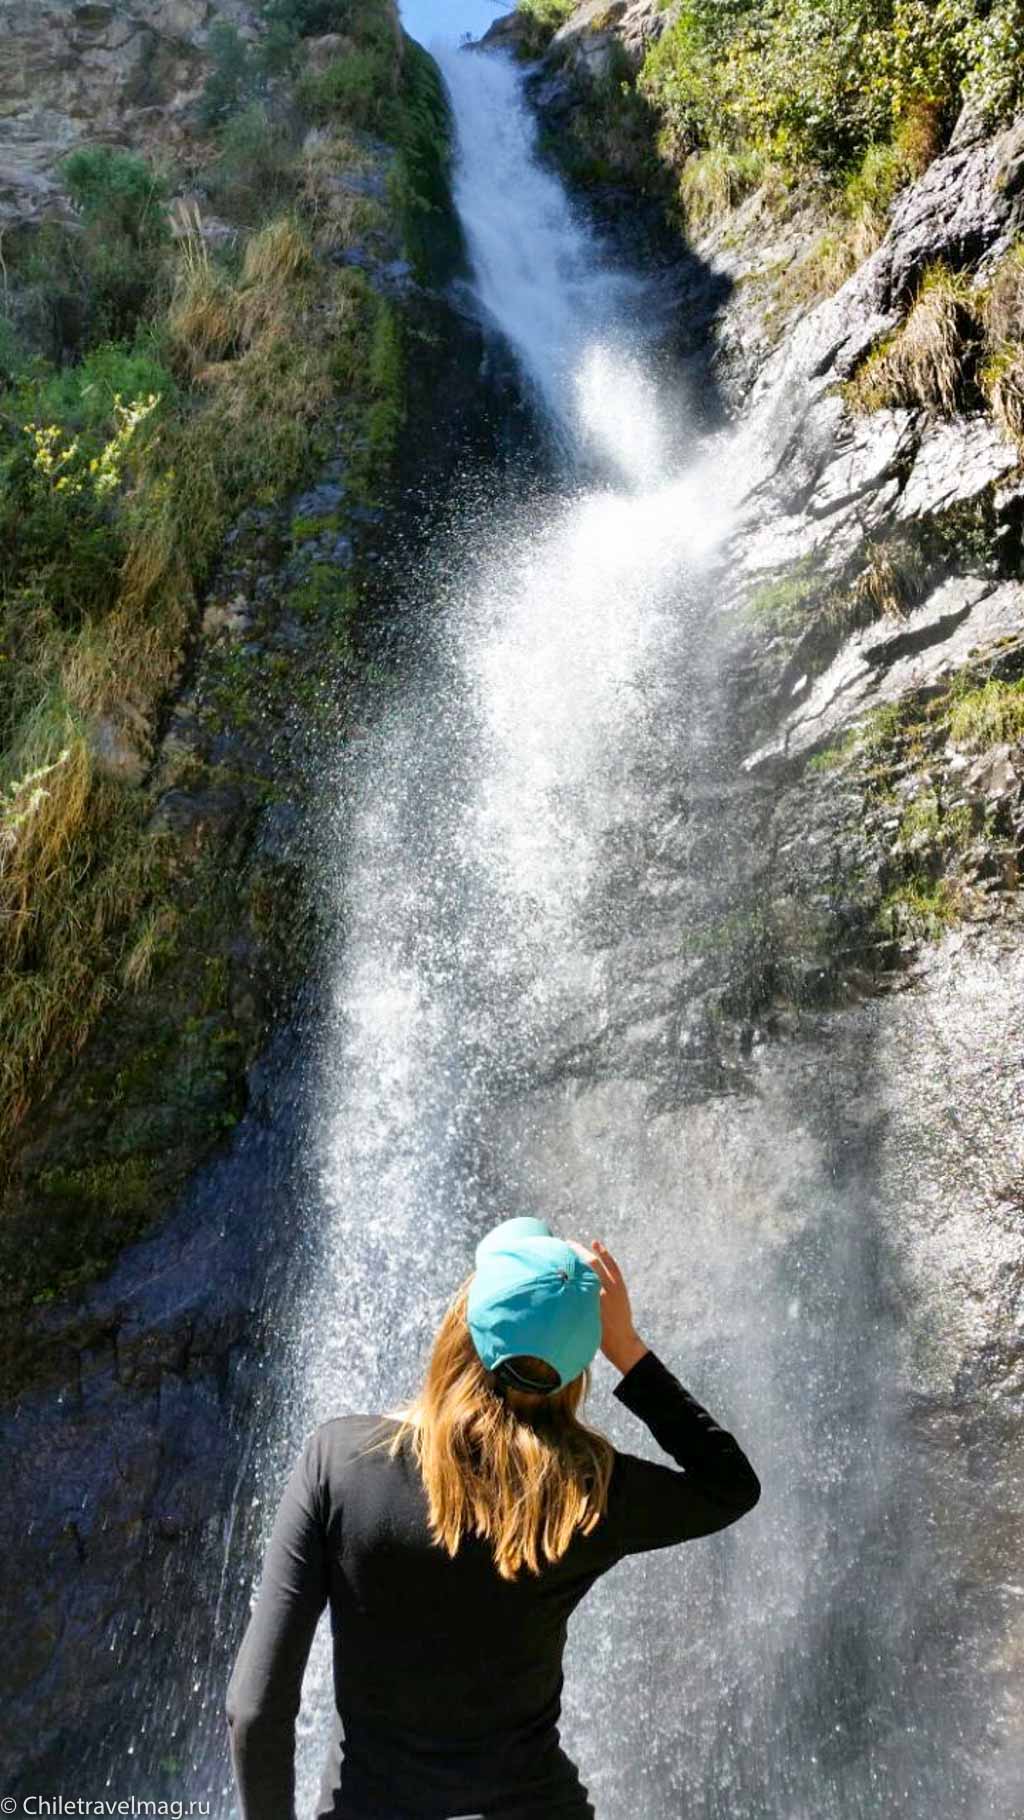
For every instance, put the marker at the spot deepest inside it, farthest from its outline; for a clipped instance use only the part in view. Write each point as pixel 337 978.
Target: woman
pixel 453 1538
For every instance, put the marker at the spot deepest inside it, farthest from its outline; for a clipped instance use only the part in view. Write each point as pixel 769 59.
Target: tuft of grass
pixel 153 942
pixel 204 320
pixel 922 363
pixel 921 908
pixel 279 254
pixel 1004 299
pixel 1002 381
pixel 891 580
pixel 988 715
pixel 715 181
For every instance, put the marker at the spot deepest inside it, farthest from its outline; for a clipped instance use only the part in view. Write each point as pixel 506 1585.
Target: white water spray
pixel 514 890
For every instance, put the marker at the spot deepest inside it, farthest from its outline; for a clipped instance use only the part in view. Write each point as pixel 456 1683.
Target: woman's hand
pixel 620 1342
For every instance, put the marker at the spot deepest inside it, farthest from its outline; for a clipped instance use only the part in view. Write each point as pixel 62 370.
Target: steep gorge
pixel 758 787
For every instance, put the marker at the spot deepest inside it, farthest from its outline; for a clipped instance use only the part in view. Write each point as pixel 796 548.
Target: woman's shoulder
pixel 340 1431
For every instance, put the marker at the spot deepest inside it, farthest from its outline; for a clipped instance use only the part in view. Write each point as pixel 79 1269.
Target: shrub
pixel 357 89
pixel 235 78
pixel 126 228
pixel 83 397
pixel 814 83
pixel 118 193
pixel 287 22
pixel 253 173
pixel 994 82
pixel 545 17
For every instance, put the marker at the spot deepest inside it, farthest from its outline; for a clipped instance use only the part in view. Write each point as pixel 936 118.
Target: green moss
pixel 920 908
pixel 420 185
pixel 988 715
pixel 781 602
pixel 303 530
pixel 830 758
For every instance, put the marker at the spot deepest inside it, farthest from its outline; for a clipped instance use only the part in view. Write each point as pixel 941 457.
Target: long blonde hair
pixel 515 1466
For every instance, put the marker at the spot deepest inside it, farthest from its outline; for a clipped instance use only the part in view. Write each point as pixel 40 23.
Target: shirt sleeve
pixel 653 1506
pixel 266 1682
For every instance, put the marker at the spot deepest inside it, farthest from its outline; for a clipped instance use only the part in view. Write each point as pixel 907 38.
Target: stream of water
pixel 516 873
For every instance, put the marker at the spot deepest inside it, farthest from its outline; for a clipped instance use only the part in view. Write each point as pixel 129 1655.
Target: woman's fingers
pixel 608 1262
pixel 601 1262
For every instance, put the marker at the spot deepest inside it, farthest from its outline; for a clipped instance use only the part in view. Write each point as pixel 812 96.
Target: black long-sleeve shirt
pixel 447 1678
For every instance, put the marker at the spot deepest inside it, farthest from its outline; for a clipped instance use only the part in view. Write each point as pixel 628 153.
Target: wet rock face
pixel 80 73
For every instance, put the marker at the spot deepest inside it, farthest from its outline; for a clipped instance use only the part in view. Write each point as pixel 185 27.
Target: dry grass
pixel 1002 381
pixel 155 935
pixel 204 319
pixel 714 182
pixel 77 869
pixel 890 582
pixel 1002 376
pixel 922 363
pixel 1004 299
pixel 277 255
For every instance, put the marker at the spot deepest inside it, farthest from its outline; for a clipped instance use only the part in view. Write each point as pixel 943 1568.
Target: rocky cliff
pixel 869 750
pixel 870 742
pixel 96 74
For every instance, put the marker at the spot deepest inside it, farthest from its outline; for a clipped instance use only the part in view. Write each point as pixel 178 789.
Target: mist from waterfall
pixel 514 883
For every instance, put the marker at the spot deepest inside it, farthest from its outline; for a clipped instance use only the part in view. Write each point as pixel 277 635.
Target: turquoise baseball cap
pixel 533 1294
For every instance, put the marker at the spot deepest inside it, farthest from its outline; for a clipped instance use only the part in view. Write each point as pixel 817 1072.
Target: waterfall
pixel 519 883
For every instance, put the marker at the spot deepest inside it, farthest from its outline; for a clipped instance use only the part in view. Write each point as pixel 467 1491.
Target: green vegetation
pixel 154 388
pixel 960 346
pixel 946 843
pixel 781 603
pixel 817 101
pixel 986 716
pixel 857 204
pixel 816 83
pixel 544 17
pixel 922 363
pixel 715 180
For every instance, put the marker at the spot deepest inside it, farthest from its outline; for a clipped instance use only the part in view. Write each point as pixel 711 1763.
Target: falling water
pixel 515 877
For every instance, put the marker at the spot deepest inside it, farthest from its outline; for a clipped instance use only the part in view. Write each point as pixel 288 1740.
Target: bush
pixel 236 76
pixel 357 89
pixel 117 193
pixel 126 227
pixel 287 22
pixel 814 83
pixel 82 397
pixel 254 170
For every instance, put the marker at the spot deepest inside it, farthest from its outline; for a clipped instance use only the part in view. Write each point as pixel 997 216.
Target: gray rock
pixel 955 461
pixel 960 619
pixel 74 74
pixel 115 750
